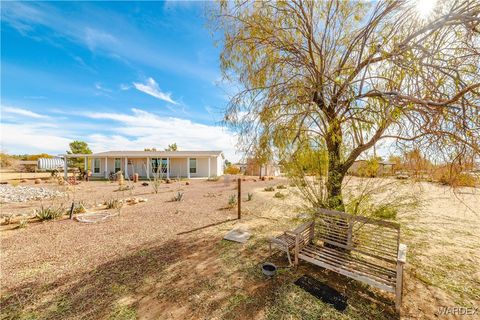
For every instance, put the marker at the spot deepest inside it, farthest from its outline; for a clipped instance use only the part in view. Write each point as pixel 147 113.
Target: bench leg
pixel 289 258
pixel 399 287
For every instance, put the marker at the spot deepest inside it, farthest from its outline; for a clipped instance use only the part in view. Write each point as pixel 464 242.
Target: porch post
pixel 209 166
pixel 168 168
pixel 126 168
pixel 188 167
pixel 65 167
pixel 148 168
pixel 106 167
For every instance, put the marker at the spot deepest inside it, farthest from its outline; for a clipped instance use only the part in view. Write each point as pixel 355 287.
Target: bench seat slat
pixel 348 264
pixel 386 268
pixel 349 274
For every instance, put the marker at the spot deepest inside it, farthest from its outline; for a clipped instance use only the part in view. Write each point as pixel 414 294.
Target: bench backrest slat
pixel 370 237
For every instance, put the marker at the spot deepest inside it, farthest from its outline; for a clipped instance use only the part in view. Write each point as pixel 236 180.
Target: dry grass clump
pixel 49 213
pixel 269 189
pixel 280 195
pixel 178 197
pixel 232 200
pixel 452 176
pixel 113 204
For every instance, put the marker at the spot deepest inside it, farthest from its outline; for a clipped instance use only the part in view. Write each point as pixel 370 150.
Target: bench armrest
pixel 402 253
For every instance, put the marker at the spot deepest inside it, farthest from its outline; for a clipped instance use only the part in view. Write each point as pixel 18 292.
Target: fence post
pixel 239 198
pixel 71 210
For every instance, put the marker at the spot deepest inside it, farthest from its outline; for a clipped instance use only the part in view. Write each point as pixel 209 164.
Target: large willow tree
pixel 345 75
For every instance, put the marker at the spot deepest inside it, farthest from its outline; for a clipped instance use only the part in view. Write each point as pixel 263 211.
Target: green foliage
pixel 281 186
pixel 178 197
pixel 78 147
pixel 79 207
pixel 269 189
pixel 49 213
pixel 369 168
pixel 113 204
pixel 232 200
pixel 279 195
pixel 172 147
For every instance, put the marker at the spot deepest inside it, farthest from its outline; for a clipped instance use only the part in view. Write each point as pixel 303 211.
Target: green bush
pixel 232 200
pixel 269 189
pixel 49 213
pixel 279 195
pixel 177 197
pixel 113 204
pixel 281 186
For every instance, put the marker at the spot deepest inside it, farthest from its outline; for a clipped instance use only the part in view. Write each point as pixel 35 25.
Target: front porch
pixel 147 167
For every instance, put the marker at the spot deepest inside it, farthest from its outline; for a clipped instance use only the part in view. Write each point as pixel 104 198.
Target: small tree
pixel 172 147
pixel 78 147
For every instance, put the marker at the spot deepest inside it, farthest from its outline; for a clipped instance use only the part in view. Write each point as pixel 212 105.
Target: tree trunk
pixel 336 173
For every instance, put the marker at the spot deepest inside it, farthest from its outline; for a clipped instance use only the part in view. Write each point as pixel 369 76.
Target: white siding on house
pixel 178 166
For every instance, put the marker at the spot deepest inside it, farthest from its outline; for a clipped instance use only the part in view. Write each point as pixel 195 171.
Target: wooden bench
pixel 364 249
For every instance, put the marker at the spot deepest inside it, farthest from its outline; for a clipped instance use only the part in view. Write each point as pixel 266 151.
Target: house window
pixel 154 164
pixel 159 165
pixel 118 165
pixel 193 165
pixel 96 165
pixel 164 165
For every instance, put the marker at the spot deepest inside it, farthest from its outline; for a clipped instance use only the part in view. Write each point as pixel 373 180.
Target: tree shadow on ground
pixel 191 276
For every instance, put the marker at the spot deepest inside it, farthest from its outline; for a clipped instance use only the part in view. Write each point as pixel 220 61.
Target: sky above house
pixel 118 75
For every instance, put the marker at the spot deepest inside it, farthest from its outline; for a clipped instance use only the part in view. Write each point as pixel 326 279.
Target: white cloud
pixel 143 129
pixel 151 87
pixel 22 112
pixel 136 130
pixel 19 138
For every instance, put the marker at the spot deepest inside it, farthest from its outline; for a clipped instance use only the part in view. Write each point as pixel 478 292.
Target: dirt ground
pixel 163 259
pixel 7 174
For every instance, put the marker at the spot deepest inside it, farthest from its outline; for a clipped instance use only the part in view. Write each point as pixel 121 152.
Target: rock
pixel 143 200
pixel 23 193
pixel 168 181
pixel 187 183
pixel 145 184
pixel 38 181
pixel 23 180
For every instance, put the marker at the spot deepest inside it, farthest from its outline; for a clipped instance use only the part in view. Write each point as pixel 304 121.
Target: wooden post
pixel 239 198
pixel 71 210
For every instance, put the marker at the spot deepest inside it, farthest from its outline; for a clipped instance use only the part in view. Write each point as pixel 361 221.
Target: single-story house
pixel 167 164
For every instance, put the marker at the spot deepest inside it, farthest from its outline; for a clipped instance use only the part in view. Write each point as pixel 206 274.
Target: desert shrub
pixel 232 170
pixel 452 176
pixel 113 204
pixel 49 213
pixel 177 197
pixel 249 196
pixel 386 212
pixel 15 182
pixel 232 200
pixel 269 189
pixel 213 178
pixel 79 207
pixel 281 186
pixel 23 224
pixel 279 195
pixel 6 160
pixel 381 199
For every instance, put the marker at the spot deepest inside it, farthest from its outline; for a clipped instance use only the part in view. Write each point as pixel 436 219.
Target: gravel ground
pixel 49 250
pixel 9 193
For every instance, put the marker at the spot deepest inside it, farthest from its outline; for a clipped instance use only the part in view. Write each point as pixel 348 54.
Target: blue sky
pixel 119 75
